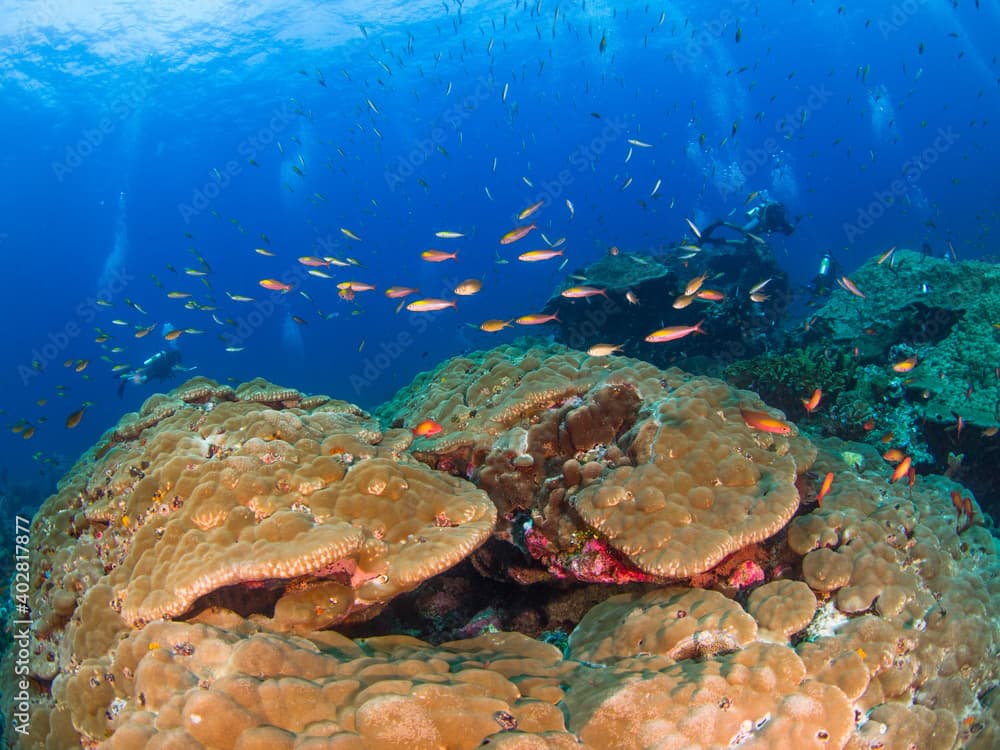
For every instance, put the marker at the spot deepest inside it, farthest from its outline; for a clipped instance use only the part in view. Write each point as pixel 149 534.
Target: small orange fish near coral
pixel 764 422
pixel 901 470
pixel 824 488
pixel 894 455
pixel 813 401
pixel 427 428
pixel 492 326
pixel 850 286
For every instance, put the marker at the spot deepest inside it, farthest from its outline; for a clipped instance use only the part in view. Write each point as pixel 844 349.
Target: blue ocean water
pixel 146 139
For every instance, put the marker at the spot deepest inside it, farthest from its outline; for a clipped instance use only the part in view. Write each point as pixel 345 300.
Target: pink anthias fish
pixel 673 333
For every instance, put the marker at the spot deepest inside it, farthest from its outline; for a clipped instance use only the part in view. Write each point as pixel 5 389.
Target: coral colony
pixel 259 568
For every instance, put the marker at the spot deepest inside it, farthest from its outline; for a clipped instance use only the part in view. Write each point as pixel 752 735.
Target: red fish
pixel 956 501
pixel 427 428
pixel 901 470
pixel 824 488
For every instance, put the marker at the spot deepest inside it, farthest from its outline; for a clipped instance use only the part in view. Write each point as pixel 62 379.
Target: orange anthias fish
pixel 530 210
pixel 764 422
pixel 275 286
pixel 309 260
pixel 846 283
pixel 813 401
pixel 682 301
pixel 515 234
pixel 824 488
pixel 886 255
pixel 712 295
pixel 536 319
pixel 396 292
pixel 74 419
pixel 579 292
pixel 905 365
pixel 536 255
pixel 492 326
pixel 901 470
pixel 430 304
pixel 956 501
pixel 469 287
pixel 427 428
pixel 894 455
pixel 355 286
pixel 695 284
pixel 436 256
pixel 603 350
pixel 673 333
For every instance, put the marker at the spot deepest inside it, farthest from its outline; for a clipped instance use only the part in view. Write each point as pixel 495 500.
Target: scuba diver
pixel 823 281
pixel 162 366
pixel 766 217
pixel 769 216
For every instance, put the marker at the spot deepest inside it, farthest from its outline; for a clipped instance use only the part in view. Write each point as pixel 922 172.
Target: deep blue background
pixel 830 106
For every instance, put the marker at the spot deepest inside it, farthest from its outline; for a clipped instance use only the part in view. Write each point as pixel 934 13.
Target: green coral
pixel 786 380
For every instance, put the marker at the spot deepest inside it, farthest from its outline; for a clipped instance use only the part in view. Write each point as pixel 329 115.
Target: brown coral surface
pixel 190 574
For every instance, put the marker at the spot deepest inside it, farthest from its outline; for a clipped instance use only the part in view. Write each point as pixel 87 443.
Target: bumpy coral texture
pixel 300 516
pixel 873 627
pixel 661 466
